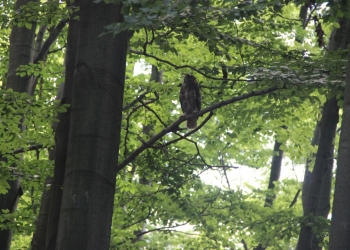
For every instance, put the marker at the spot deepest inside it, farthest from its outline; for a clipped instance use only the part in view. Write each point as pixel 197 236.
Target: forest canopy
pixel 95 152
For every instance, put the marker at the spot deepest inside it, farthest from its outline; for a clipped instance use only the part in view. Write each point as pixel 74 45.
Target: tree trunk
pixel 62 135
pixel 21 53
pixel 323 162
pixel 325 190
pixel 39 237
pixel 340 224
pixel 275 172
pixel 308 174
pixel 96 113
pixel 320 186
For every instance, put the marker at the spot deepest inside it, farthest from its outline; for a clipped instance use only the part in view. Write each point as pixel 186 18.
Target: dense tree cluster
pixel 95 152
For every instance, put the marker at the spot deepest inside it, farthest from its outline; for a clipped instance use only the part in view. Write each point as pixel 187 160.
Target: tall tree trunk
pixel 324 162
pixel 21 53
pixel 325 190
pixel 318 201
pixel 308 174
pixel 39 237
pixel 340 224
pixel 96 113
pixel 62 135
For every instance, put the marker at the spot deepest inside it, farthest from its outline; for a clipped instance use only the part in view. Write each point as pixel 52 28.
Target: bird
pixel 190 99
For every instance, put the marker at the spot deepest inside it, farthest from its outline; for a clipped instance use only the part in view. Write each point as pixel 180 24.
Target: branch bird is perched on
pixel 190 99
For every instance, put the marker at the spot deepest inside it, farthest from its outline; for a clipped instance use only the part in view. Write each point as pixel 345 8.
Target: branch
pixel 44 50
pixel 244 244
pixel 22 150
pixel 49 41
pixel 161 228
pixel 183 224
pixel 139 98
pixel 39 39
pixel 139 221
pixel 190 67
pixel 295 199
pixel 189 133
pixel 56 50
pixel 175 126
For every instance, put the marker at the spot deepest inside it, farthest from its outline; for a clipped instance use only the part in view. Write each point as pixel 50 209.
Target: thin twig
pixel 190 67
pixel 295 199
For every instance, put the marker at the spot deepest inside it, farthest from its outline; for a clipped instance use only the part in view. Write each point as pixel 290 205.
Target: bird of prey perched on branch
pixel 190 99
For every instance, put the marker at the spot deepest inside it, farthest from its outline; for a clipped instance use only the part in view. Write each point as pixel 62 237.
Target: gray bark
pixel 39 237
pixel 340 224
pixel 325 190
pixel 62 135
pixel 318 201
pixel 323 164
pixel 308 174
pixel 96 113
pixel 21 53
pixel 275 173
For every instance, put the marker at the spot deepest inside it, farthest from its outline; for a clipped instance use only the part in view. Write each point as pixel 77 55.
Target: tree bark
pixel 62 135
pixel 21 53
pixel 318 202
pixel 275 173
pixel 340 223
pixel 96 113
pixel 323 163
pixel 308 174
pixel 39 237
pixel 325 190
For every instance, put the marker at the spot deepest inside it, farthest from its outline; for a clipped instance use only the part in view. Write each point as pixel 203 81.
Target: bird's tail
pixel 192 123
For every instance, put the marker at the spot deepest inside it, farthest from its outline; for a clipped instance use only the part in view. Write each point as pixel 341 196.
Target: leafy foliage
pixel 233 48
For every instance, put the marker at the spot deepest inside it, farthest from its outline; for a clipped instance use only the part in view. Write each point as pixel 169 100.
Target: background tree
pixel 259 70
pixel 20 53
